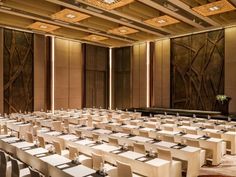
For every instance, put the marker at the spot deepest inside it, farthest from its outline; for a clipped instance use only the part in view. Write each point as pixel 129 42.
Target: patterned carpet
pixel 226 169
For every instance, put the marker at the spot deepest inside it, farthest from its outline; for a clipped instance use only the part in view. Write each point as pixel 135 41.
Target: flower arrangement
pixel 222 98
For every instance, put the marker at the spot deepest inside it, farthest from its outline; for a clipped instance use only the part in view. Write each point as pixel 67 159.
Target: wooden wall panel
pixel 1 72
pixel 96 76
pixel 122 77
pixel 68 74
pixel 18 71
pixel 161 74
pixel 197 70
pixel 139 77
pixel 41 72
pixel 230 66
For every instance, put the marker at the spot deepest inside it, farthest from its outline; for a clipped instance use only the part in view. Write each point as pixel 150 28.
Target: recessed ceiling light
pixel 214 8
pixel 109 1
pixel 43 26
pixel 70 16
pixel 94 38
pixel 123 30
pixel 161 21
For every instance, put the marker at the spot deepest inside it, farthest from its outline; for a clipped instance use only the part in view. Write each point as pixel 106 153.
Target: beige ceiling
pixel 117 26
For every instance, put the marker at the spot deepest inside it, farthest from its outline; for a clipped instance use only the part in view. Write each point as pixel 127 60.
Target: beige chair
pixel 83 159
pixel 97 161
pixel 193 132
pixel 73 152
pixel 78 133
pixel 113 141
pixel 176 166
pixel 57 126
pixel 16 171
pixel 186 123
pixel 95 137
pixel 127 130
pixel 124 170
pixel 89 121
pixel 5 129
pixel 224 144
pixel 58 149
pixel 168 128
pixel 170 139
pixel 108 127
pixel 29 137
pixel 66 125
pixel 140 148
pixel 134 123
pixel 143 133
pixel 149 125
pixel 195 143
pixel 210 126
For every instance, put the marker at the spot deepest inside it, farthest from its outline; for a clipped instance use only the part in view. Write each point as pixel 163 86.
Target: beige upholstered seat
pixel 143 133
pixel 127 130
pixel 95 137
pixel 78 133
pixel 5 129
pixel 58 149
pixel 113 141
pixel 168 128
pixel 29 137
pixel 176 167
pixel 124 170
pixel 57 126
pixel 42 142
pixel 193 132
pixel 168 138
pixel 140 148
pixel 90 121
pixel 108 127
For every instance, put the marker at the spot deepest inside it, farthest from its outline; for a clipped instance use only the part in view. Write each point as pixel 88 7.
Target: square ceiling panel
pixel 70 16
pixel 109 4
pixel 43 27
pixel 162 21
pixel 94 38
pixel 123 30
pixel 214 8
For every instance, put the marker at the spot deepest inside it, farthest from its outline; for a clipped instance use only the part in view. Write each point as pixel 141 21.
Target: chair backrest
pixel 164 154
pixel 29 137
pixel 215 135
pixel 140 148
pixel 193 132
pixel 193 143
pixel 97 160
pixel 168 128
pixel 73 152
pixel 143 133
pixel 3 164
pixel 5 129
pixel 210 126
pixel 57 126
pixel 148 125
pixel 15 170
pixel 34 173
pixel 186 123
pixel 78 133
pixel 89 121
pixel 123 169
pixel 133 123
pixel 108 127
pixel 66 122
pixel 168 138
pixel 126 130
pixel 95 136
pixel 41 141
pixel 113 141
pixel 57 147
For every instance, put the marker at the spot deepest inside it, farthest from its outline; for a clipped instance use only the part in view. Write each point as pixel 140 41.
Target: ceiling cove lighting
pixel 109 4
pixel 94 38
pixel 123 30
pixel 68 15
pixel 43 27
pixel 161 21
pixel 214 8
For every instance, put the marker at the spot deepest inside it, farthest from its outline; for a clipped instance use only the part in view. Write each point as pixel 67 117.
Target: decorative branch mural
pixel 197 70
pixel 18 71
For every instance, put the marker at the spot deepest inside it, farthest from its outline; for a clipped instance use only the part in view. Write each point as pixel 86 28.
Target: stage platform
pixel 183 112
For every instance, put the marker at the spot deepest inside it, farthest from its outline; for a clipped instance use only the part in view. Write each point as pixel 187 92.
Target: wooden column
pixel 1 71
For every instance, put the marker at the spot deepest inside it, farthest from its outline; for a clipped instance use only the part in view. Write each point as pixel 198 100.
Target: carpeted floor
pixel 226 169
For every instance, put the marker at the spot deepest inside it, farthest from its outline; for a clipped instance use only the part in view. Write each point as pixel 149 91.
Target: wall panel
pixel 139 77
pixel 161 74
pixel 197 70
pixel 18 71
pixel 1 72
pixel 122 77
pixel 96 76
pixel 230 66
pixel 68 74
